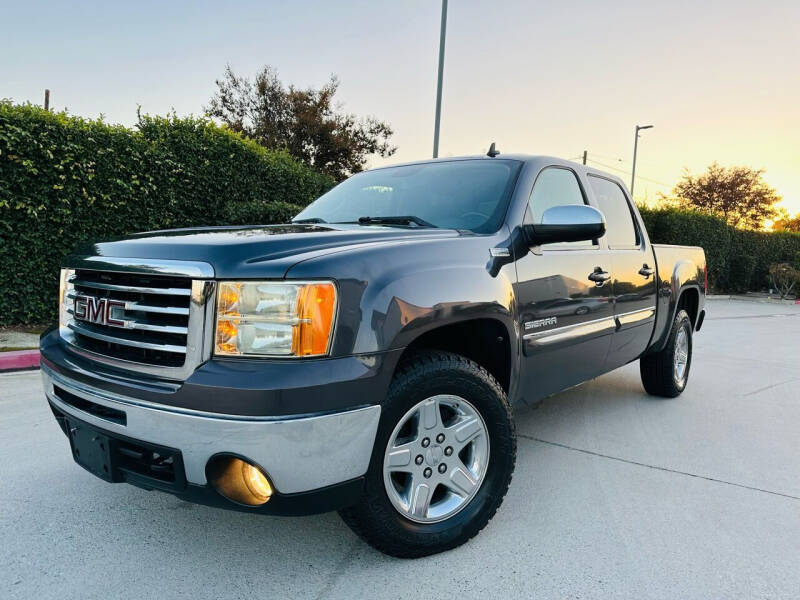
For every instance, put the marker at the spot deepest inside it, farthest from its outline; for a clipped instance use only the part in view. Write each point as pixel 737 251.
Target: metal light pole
pixel 635 147
pixel 439 84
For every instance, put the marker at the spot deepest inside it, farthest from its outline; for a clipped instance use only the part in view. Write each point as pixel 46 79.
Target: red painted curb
pixel 19 359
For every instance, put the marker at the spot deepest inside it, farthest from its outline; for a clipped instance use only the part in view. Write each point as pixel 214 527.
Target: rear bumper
pixel 300 455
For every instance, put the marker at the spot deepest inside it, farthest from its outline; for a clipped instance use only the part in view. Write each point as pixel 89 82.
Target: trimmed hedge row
pixel 65 180
pixel 738 260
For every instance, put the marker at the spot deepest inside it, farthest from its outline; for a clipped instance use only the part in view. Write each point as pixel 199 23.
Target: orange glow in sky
pixel 718 79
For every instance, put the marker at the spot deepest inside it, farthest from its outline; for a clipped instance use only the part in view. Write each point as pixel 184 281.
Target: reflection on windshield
pixel 465 194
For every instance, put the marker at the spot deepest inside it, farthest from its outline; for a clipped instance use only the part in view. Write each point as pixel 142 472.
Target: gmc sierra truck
pixel 365 357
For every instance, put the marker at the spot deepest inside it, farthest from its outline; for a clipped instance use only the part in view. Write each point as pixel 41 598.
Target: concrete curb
pixel 19 359
pixel 758 299
pixel 773 301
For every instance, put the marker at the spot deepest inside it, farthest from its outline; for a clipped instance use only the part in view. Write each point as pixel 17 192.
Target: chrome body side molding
pixel 635 316
pixel 588 328
pixel 570 332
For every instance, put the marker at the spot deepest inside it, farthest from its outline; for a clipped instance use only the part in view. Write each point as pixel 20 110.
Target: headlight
pixel 65 303
pixel 271 318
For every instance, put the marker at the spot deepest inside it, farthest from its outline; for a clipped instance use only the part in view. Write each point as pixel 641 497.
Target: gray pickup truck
pixel 365 357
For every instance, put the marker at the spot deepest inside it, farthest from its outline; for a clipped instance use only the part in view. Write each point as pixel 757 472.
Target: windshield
pixel 464 194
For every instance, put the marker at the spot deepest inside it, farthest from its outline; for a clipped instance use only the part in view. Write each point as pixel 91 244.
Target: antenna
pixel 492 151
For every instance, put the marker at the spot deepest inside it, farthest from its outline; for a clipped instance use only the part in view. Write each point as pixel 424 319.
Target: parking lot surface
pixel 615 495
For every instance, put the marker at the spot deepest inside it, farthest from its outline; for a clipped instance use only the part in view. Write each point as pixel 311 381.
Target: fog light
pixel 239 481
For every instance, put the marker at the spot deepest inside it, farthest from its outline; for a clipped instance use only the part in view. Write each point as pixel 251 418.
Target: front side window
pixel 556 187
pixel 465 194
pixel 620 229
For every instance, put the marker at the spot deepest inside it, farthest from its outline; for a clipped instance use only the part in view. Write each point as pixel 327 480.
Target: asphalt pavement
pixel 615 495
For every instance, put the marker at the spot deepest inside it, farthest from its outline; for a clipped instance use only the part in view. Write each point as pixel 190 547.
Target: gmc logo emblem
pixel 98 310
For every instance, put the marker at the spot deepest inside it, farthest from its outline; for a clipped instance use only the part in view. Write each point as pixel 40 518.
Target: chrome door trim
pixel 635 316
pixel 570 332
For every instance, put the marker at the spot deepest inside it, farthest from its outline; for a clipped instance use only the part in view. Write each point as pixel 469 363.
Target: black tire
pixel 423 375
pixel 658 370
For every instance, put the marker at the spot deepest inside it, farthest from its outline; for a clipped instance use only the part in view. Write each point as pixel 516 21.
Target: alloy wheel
pixel 436 459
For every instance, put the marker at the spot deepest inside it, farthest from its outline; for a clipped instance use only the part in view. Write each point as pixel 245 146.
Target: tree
pixel 306 122
pixel 785 222
pixel 738 194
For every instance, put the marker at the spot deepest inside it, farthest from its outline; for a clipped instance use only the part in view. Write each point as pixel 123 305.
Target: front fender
pixel 403 307
pixel 390 294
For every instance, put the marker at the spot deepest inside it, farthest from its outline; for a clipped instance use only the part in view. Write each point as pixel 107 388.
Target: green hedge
pixel 65 180
pixel 738 260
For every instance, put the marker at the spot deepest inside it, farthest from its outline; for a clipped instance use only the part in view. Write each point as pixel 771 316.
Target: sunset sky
pixel 719 80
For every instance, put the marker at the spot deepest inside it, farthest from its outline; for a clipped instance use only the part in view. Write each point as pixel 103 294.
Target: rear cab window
pixel 621 229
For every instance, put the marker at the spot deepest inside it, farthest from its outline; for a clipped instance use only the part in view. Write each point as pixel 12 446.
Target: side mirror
pixel 568 223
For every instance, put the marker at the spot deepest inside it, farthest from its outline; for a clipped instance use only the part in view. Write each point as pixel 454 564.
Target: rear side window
pixel 621 230
pixel 556 187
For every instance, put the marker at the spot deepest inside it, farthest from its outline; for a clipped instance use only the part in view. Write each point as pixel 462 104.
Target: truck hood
pixel 260 251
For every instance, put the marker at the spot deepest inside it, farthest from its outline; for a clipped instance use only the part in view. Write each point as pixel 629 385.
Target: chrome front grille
pixel 151 317
pixel 153 308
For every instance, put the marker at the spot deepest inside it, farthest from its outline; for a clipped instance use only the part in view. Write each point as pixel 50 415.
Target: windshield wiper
pixel 399 220
pixel 310 220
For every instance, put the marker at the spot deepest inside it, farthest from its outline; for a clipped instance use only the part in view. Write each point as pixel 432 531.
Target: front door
pixel 634 269
pixel 566 319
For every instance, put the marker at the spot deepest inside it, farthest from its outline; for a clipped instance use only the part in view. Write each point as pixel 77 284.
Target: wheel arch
pixel 485 340
pixel 687 298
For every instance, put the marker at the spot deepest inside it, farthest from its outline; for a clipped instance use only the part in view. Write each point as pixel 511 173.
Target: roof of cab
pixel 539 160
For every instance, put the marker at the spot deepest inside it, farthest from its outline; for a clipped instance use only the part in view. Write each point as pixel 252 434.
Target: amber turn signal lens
pixel 316 305
pixel 226 336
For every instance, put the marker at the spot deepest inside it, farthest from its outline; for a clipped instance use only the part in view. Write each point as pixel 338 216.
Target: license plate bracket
pixel 91 450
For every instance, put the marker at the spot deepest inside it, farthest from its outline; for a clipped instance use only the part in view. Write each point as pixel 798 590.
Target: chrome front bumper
pixel 298 454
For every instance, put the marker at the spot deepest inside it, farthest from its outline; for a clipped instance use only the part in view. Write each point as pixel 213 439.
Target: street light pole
pixel 439 83
pixel 635 147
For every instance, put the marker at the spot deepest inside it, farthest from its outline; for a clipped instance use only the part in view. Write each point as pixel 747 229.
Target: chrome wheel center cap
pixel 434 455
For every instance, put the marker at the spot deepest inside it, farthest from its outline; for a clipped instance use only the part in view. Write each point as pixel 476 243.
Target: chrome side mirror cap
pixel 567 223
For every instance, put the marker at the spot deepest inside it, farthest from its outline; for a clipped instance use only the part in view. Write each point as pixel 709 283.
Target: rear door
pixel 565 319
pixel 634 272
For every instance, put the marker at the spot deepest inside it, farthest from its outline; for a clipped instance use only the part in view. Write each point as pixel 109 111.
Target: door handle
pixel 646 271
pixel 599 276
